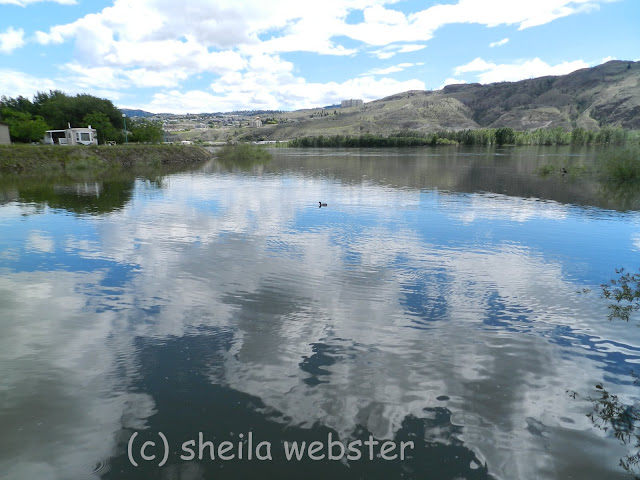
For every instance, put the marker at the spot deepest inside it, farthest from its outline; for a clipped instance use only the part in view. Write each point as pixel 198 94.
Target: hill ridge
pixel 607 94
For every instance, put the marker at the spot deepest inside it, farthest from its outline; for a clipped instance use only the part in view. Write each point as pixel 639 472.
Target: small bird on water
pixel 564 170
pixel 322 205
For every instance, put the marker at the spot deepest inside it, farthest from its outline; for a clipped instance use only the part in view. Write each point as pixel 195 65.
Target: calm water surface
pixel 434 301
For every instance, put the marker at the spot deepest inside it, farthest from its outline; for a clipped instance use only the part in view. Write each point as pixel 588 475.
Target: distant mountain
pixel 608 94
pixel 136 113
pixel 252 113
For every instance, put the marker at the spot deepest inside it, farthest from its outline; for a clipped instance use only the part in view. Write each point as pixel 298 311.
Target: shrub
pixel 548 170
pixel 243 154
pixel 620 165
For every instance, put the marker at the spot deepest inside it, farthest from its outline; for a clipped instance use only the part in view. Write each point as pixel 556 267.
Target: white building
pixel 255 123
pixel 5 139
pixel 72 136
pixel 351 103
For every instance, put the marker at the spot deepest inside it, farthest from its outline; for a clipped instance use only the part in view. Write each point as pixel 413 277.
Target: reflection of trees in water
pixel 97 197
pixel 255 165
pixel 610 413
pixel 242 157
pixel 509 171
pixel 88 194
pixel 625 196
pixel 246 165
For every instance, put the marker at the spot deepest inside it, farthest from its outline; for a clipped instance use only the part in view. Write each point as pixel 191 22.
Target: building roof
pixel 72 128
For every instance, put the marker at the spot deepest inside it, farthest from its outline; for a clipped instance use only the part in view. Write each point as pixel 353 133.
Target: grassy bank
pixel 50 158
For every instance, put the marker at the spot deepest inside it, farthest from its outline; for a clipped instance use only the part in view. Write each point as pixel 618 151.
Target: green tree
pixel 579 136
pixel 102 124
pixel 505 136
pixel 144 130
pixel 60 109
pixel 20 104
pixel 52 107
pixel 23 127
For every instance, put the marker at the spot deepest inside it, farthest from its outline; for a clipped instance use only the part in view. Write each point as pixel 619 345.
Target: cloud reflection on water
pixel 326 326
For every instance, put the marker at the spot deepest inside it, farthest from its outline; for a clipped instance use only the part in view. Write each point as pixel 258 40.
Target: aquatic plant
pixel 609 413
pixel 621 165
pixel 242 155
pixel 548 170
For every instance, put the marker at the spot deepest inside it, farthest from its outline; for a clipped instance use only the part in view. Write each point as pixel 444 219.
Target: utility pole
pixel 126 135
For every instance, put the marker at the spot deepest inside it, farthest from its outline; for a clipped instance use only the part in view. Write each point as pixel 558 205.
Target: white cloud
pixel 285 25
pixel 491 72
pixel 608 59
pixel 222 25
pixel 134 44
pixel 157 66
pixel 16 83
pixel 283 88
pixel 393 69
pixel 499 43
pixel 89 77
pixel 165 54
pixel 476 65
pixel 85 349
pixel 11 39
pixel 379 14
pixel 385 71
pixel 450 81
pixel 387 26
pixel 391 50
pixel 40 242
pixel 269 91
pixel 143 77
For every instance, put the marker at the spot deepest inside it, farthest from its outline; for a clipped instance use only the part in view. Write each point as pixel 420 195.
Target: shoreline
pixel 55 158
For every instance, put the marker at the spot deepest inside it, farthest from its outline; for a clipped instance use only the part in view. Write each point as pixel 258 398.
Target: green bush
pixel 548 170
pixel 24 127
pixel 505 136
pixel 621 165
pixel 243 154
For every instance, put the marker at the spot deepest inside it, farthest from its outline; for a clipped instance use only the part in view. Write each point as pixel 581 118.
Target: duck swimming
pixel 322 205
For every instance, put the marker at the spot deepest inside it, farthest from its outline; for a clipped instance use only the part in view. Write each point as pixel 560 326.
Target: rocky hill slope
pixel 608 94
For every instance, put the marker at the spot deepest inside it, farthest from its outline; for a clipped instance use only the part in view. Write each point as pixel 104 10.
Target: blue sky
pixel 222 55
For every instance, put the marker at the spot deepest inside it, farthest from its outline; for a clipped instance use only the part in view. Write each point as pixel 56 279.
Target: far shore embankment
pixel 34 159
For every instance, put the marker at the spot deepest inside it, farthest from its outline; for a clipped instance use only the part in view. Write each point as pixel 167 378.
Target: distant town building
pixel 5 139
pixel 255 123
pixel 351 103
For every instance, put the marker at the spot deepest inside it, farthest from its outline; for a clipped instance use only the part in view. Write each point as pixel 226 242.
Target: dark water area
pixel 426 323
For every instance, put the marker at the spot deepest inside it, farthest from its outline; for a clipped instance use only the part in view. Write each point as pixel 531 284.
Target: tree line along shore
pixel 29 120
pixel 613 136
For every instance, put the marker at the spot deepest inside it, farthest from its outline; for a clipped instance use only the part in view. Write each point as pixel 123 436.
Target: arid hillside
pixel 608 94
